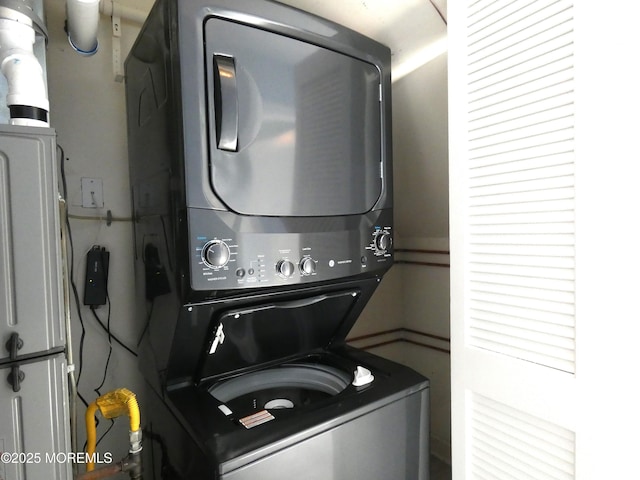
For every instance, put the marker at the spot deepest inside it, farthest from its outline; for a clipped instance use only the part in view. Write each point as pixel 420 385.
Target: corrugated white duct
pixel 83 17
pixel 27 93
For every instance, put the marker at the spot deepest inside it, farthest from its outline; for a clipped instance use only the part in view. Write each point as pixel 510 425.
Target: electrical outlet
pixel 92 193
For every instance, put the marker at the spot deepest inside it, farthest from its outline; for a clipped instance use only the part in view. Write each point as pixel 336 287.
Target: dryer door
pixel 294 129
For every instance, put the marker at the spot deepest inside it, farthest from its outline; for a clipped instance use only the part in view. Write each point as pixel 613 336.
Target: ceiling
pixel 414 30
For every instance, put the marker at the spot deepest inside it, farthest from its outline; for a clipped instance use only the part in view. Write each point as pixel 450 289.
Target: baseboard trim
pixel 402 335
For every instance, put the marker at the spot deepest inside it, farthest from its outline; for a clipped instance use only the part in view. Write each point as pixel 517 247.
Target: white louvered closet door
pixel 544 210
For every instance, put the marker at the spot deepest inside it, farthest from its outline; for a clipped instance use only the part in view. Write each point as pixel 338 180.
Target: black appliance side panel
pixel 294 128
pixel 156 144
pixel 156 170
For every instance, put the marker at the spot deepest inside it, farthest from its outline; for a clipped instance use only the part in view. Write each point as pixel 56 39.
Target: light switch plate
pixel 92 193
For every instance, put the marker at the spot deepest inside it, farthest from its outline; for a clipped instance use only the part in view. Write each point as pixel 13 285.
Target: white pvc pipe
pixel 112 8
pixel 27 92
pixel 83 17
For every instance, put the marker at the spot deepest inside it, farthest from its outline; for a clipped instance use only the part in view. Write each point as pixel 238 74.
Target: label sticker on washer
pixel 256 419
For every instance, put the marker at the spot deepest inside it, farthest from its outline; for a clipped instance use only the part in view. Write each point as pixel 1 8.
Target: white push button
pixel 362 376
pixel 224 409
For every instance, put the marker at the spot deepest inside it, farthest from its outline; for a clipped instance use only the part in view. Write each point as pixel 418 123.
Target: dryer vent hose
pixel 111 405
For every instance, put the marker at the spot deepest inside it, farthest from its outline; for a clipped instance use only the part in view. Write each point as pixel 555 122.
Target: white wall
pixel 420 154
pixel 415 296
pixel 88 113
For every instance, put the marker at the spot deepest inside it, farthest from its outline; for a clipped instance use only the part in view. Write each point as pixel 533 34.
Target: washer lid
pixel 264 333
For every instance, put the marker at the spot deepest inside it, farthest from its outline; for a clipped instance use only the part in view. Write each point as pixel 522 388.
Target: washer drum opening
pixel 321 378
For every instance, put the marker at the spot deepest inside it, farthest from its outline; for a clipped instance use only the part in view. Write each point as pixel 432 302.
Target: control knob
pixel 383 242
pixel 307 266
pixel 216 254
pixel 285 268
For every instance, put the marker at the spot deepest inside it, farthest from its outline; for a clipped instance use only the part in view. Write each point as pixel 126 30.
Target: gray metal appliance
pixel 260 167
pixel 34 419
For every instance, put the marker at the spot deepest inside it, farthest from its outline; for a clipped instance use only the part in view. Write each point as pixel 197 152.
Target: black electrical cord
pixel 76 296
pixel 167 471
pixel 166 241
pixel 105 433
pixel 146 324
pixel 106 366
pixel 97 422
pixel 74 289
pixel 111 335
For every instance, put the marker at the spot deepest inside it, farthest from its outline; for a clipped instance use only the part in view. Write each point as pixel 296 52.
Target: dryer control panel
pixel 230 252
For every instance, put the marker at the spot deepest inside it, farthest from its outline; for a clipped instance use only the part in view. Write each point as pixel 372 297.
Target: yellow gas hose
pixel 111 405
pixel 89 418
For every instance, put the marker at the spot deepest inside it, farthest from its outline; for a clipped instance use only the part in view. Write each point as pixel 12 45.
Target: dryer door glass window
pixel 294 129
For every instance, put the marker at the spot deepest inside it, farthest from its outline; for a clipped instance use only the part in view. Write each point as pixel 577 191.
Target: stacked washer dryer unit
pixel 260 156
